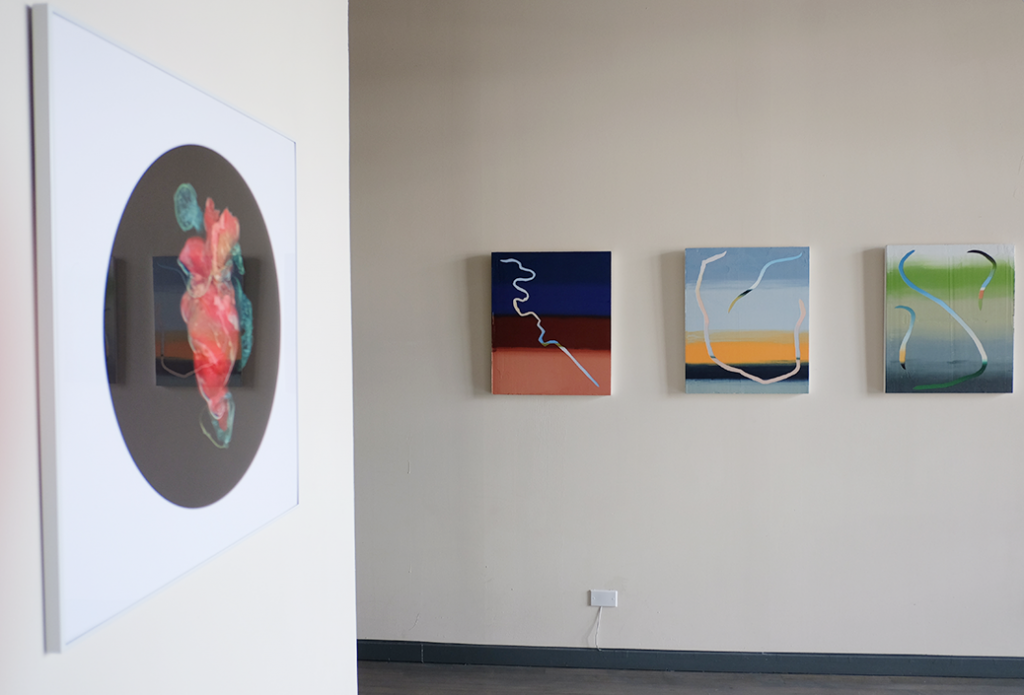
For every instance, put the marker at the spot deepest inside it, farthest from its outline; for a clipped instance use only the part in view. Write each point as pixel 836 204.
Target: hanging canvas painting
pixel 747 320
pixel 551 323
pixel 166 229
pixel 949 318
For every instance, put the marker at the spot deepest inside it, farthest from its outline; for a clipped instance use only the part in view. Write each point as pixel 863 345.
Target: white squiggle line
pixel 757 282
pixel 777 260
pixel 707 333
pixel 545 343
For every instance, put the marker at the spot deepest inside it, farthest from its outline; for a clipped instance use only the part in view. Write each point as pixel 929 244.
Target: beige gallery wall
pixel 840 521
pixel 276 612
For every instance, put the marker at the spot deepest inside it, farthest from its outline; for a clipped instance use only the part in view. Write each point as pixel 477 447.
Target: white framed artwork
pixel 166 280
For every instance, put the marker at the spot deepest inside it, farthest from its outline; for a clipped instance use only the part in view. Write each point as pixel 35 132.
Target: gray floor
pixel 380 678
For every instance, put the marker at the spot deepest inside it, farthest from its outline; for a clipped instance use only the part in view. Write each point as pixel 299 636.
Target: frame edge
pixel 40 32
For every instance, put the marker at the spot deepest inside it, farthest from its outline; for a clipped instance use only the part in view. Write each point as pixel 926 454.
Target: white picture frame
pixel 102 117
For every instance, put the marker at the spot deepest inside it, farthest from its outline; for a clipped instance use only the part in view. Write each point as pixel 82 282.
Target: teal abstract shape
pixel 236 259
pixel 187 210
pixel 211 427
pixel 244 308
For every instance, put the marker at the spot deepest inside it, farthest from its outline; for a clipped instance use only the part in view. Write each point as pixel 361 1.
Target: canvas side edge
pixel 294 247
pixel 885 319
pixel 45 338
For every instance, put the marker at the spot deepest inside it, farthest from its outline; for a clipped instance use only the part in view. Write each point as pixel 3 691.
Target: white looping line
pixel 770 263
pixel 707 332
pixel 597 633
pixel 526 297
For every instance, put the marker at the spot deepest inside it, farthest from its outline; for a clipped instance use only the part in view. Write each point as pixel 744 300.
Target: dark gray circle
pixel 160 424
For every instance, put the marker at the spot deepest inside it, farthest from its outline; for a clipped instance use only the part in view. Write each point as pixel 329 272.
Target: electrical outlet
pixel 604 597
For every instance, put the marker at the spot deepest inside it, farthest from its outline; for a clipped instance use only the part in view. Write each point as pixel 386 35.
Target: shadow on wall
pixel 478 310
pixel 673 306
pixel 874 299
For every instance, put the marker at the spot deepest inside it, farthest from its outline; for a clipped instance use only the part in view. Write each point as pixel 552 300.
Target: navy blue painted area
pixel 168 276
pixel 547 299
pixel 576 283
pixel 720 662
pixel 763 371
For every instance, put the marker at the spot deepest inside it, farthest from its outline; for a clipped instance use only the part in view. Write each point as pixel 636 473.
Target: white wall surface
pixel 845 520
pixel 275 613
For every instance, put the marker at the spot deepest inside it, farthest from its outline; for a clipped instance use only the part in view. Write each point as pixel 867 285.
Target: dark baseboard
pixel 721 662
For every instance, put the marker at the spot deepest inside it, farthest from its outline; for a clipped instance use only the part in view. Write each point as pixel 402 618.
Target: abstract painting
pixel 747 321
pixel 166 216
pixel 551 323
pixel 210 330
pixel 949 318
pixel 217 314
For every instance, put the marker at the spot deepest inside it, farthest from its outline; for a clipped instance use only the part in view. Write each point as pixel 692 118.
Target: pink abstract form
pixel 212 317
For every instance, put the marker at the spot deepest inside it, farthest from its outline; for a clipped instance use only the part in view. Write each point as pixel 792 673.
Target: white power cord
pixel 597 633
